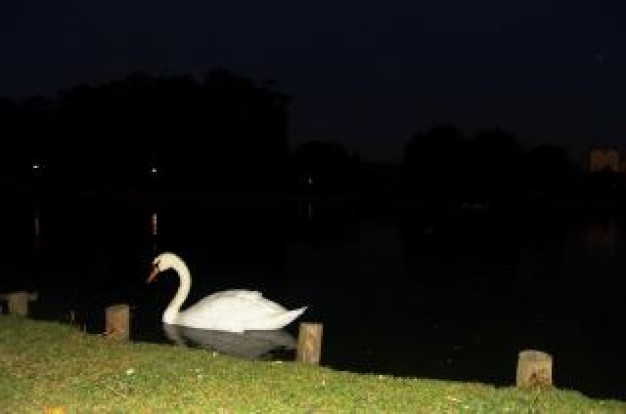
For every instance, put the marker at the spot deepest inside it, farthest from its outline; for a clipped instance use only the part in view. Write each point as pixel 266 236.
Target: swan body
pixel 234 310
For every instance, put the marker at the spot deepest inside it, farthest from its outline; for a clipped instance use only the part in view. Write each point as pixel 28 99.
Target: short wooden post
pixel 118 322
pixel 534 368
pixel 18 303
pixel 309 348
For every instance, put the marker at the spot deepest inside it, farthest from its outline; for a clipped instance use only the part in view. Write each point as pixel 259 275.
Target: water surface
pixel 401 289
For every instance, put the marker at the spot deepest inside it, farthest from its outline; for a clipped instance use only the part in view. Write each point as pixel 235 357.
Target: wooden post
pixel 534 368
pixel 118 322
pixel 18 303
pixel 310 343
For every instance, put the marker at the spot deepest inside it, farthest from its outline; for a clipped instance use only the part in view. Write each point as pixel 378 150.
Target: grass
pixel 49 367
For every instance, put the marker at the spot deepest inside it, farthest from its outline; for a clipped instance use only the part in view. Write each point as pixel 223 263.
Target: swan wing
pixel 236 311
pixel 239 299
pixel 236 293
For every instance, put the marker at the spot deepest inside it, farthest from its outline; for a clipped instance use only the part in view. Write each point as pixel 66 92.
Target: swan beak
pixel 154 271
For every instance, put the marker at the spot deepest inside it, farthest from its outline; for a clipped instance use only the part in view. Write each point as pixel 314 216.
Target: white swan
pixel 234 310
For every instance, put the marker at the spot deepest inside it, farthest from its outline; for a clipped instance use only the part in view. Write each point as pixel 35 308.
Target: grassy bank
pixel 49 366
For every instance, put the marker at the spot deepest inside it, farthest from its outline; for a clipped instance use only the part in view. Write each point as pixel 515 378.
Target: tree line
pixel 223 132
pixel 228 132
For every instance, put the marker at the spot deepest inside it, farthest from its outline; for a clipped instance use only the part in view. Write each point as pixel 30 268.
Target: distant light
pixel 35 166
pixel 153 170
pixel 310 180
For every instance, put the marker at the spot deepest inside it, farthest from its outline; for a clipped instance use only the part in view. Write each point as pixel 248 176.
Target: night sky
pixel 366 73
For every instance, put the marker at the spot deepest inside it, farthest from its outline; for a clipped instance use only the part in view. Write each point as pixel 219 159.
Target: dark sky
pixel 365 73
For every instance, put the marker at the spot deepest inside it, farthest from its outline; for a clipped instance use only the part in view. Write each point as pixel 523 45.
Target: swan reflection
pixel 249 345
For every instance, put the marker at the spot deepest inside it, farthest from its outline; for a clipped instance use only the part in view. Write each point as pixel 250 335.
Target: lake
pixel 402 288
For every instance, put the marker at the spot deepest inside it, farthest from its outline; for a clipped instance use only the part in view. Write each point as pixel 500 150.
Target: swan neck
pixel 173 309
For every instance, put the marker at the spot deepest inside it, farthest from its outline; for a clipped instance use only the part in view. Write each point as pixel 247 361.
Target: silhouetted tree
pixel 10 121
pixel 30 129
pixel 434 161
pixel 443 162
pixel 115 131
pixel 549 169
pixel 495 163
pixel 244 132
pixel 227 132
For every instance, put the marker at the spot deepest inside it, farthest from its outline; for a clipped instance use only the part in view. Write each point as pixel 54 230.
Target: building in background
pixel 606 159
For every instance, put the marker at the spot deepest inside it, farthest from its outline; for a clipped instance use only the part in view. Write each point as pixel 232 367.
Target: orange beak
pixel 154 271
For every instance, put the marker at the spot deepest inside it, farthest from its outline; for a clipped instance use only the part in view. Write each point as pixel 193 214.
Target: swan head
pixel 162 262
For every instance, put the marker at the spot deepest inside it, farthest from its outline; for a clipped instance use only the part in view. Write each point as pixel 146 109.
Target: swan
pixel 234 310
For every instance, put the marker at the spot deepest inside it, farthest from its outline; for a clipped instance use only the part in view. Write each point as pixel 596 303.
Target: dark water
pixel 401 289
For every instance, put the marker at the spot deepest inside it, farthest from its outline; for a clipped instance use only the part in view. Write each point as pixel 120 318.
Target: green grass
pixel 50 367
